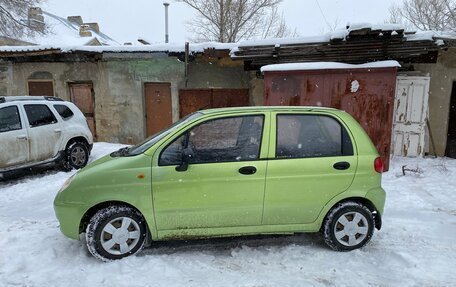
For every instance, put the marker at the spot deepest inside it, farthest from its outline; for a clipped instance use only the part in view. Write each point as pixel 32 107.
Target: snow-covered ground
pixel 416 246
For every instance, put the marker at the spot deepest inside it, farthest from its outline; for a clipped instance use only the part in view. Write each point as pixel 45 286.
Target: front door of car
pixel 223 184
pixel 13 138
pixel 45 133
pixel 312 159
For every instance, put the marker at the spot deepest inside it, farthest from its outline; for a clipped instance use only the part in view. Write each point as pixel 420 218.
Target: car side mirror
pixel 186 156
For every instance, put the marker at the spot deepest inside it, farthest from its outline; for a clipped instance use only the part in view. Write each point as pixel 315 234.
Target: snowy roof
pixel 356 44
pixel 327 66
pixel 61 31
pixel 394 35
pixel 342 34
pixel 170 47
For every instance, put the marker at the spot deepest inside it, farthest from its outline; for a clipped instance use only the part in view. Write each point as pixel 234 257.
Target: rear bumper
pixel 377 196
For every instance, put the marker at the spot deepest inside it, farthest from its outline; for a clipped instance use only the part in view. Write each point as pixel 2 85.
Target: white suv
pixel 42 130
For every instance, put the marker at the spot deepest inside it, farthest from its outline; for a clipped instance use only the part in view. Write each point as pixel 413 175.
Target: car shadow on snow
pixel 17 176
pixel 226 245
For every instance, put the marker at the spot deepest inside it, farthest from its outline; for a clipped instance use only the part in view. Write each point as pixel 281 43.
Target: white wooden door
pixel 410 113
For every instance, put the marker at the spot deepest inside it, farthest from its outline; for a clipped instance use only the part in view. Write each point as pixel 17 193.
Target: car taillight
pixel 378 165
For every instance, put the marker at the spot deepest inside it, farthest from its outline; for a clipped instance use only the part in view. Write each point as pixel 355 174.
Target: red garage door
pixel 192 100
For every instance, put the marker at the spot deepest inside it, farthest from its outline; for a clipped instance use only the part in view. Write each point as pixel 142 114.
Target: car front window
pixel 227 139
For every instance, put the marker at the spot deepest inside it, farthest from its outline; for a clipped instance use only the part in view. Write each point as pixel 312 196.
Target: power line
pixel 323 14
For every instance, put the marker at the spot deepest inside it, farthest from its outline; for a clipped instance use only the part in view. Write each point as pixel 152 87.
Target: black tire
pixel 98 237
pixel 76 155
pixel 358 228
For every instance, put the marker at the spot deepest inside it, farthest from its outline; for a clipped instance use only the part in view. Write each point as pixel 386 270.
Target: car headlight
pixel 67 183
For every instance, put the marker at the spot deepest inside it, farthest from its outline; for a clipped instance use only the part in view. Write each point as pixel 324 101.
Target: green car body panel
pixel 214 199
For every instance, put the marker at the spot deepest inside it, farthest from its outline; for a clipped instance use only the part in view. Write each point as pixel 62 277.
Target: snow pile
pixel 343 33
pixel 327 66
pixel 354 86
pixel 375 27
pixel 416 246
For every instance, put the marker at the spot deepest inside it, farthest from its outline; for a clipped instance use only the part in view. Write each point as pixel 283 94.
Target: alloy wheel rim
pixel 120 235
pixel 351 228
pixel 78 156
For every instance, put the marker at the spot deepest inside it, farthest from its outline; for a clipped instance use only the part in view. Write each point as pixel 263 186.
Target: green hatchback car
pixel 229 172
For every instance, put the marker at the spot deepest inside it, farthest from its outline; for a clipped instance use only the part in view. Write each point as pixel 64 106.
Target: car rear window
pixel 64 111
pixel 304 136
pixel 39 115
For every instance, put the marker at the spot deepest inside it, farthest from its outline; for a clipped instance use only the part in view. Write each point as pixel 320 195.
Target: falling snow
pixel 416 246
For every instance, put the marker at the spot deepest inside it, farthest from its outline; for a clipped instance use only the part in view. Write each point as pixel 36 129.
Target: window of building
pixel 41 88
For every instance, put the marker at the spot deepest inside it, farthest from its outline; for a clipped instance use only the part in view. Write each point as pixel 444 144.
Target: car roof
pixel 267 109
pixel 4 99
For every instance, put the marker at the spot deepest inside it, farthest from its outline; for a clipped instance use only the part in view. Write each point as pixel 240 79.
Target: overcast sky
pixel 125 21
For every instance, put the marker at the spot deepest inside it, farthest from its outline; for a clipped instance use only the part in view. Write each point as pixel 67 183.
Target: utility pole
pixel 166 4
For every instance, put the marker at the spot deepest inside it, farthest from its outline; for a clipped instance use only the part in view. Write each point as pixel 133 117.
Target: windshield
pixel 147 143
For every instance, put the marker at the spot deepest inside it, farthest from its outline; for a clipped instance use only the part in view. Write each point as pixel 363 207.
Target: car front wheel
pixel 348 226
pixel 115 232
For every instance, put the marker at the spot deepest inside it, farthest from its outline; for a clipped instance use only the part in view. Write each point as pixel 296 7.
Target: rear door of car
pixel 312 158
pixel 45 132
pixel 13 137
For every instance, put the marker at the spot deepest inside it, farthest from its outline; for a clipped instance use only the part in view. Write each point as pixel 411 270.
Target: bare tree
pixel 331 27
pixel 425 14
pixel 14 18
pixel 233 20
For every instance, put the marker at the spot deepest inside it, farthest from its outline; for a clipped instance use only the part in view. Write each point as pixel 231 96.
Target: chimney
pixel 166 4
pixel 36 19
pixel 75 20
pixel 94 27
pixel 143 41
pixel 84 31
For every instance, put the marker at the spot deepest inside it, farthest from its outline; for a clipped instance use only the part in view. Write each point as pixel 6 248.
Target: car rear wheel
pixel 348 226
pixel 115 232
pixel 76 156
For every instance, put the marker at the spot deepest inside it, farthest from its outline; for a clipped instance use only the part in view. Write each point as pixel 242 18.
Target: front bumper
pixel 69 217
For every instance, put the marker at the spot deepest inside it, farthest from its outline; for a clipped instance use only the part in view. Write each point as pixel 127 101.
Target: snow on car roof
pixel 264 108
pixel 4 99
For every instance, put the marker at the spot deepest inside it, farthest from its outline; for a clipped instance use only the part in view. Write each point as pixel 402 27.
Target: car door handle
pixel 247 170
pixel 341 165
pixel 22 137
pixel 57 131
